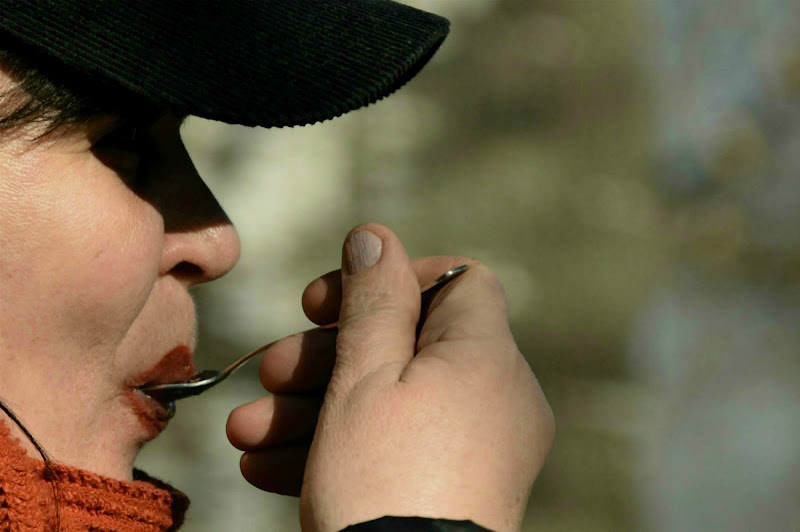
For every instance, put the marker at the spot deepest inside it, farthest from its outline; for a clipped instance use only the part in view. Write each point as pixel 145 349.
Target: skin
pixel 454 425
pixel 99 246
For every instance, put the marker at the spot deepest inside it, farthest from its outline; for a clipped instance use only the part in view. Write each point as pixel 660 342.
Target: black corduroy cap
pixel 253 62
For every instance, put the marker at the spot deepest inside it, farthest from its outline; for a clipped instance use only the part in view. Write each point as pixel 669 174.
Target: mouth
pixel 176 366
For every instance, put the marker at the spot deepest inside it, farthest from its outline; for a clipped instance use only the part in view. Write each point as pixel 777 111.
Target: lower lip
pixel 153 415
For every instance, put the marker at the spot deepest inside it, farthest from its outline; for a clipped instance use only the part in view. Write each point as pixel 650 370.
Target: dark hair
pixel 49 93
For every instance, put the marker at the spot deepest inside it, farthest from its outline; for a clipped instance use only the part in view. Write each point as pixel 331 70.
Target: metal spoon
pixel 169 393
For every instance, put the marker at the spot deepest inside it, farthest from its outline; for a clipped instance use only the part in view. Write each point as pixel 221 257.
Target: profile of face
pixel 104 228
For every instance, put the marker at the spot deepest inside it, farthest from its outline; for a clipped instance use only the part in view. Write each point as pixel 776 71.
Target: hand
pixel 453 425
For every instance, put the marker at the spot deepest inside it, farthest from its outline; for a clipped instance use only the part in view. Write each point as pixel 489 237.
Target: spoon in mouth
pixel 169 393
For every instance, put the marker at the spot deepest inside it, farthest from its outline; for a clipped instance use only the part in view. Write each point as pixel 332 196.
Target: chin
pixel 135 421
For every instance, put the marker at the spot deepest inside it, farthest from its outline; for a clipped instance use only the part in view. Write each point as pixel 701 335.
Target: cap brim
pixel 260 63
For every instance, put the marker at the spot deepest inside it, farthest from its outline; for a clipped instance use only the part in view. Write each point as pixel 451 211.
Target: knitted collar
pixel 86 501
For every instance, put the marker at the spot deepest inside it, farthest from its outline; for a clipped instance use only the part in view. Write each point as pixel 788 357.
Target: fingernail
pixel 362 250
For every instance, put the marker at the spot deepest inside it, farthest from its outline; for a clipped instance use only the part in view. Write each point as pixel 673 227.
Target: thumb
pixel 380 307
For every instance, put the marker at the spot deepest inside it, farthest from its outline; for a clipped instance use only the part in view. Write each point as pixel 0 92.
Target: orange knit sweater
pixel 86 501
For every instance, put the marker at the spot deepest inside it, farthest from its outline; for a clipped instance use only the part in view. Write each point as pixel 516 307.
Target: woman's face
pixel 103 230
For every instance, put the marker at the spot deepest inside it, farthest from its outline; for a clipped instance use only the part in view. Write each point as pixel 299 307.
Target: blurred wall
pixel 628 170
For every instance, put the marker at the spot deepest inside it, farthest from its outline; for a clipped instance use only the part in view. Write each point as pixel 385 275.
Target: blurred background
pixel 629 170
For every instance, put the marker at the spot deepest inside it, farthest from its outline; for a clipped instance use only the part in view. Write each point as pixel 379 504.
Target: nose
pixel 201 253
pixel 200 242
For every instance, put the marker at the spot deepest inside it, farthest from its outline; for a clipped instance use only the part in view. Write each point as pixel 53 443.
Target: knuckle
pixel 488 286
pixel 486 276
pixel 546 426
pixel 276 358
pixel 378 303
pixel 366 328
pixel 550 427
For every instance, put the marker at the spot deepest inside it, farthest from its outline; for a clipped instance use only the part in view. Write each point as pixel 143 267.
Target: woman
pixel 106 225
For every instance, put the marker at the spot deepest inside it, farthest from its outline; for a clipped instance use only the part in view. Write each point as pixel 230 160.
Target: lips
pixel 175 366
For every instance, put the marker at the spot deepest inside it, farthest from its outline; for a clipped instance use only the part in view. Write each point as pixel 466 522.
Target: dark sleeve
pixel 415 524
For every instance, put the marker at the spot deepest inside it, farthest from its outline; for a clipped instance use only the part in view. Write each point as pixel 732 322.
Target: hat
pixel 252 62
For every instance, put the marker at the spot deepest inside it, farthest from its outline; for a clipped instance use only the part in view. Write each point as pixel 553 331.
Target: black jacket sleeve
pixel 415 524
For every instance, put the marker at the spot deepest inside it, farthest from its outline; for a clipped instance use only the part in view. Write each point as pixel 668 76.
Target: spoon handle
pixel 209 378
pixel 428 293
pixel 236 365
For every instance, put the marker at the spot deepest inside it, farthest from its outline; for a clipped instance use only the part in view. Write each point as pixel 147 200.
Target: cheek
pixel 111 275
pixel 115 250
pixel 79 254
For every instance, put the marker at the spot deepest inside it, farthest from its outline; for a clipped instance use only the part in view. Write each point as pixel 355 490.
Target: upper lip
pixel 175 366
